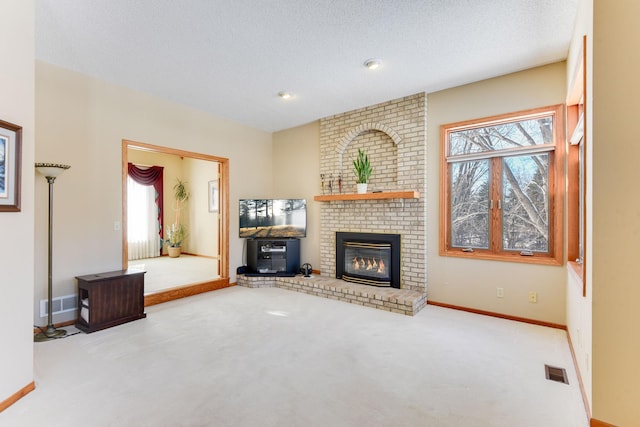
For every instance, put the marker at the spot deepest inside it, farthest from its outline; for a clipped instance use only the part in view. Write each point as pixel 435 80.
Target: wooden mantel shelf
pixel 408 194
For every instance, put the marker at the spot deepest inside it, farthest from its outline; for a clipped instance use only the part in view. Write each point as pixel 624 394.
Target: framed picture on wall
pixel 213 196
pixel 10 162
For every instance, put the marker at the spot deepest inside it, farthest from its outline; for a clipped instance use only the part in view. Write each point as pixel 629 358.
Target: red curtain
pixel 151 176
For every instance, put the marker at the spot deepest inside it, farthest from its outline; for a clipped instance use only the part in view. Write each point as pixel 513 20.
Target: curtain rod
pixel 144 166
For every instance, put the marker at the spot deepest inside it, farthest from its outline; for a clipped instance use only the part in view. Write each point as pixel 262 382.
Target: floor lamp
pixel 51 171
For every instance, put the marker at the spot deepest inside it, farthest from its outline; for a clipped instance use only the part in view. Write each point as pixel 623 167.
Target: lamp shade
pixel 51 170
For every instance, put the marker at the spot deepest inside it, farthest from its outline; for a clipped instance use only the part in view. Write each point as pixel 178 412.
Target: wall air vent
pixel 556 374
pixel 59 305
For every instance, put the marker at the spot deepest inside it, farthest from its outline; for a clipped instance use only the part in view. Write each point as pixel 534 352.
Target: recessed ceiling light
pixel 372 63
pixel 285 95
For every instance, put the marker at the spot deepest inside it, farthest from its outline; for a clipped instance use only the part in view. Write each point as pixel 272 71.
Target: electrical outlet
pixel 533 297
pixel 500 292
pixel 116 225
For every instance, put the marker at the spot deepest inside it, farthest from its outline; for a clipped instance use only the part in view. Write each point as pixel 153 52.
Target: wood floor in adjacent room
pixel 272 357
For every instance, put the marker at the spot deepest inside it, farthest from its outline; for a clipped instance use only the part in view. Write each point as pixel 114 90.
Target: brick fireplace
pixel 393 135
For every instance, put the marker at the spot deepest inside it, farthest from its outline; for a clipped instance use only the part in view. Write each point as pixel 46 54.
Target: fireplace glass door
pixel 368 258
pixel 367 263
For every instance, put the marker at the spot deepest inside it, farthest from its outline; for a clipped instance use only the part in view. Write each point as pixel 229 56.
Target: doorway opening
pixel 206 245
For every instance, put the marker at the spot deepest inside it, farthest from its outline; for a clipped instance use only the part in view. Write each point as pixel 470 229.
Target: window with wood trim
pixel 502 182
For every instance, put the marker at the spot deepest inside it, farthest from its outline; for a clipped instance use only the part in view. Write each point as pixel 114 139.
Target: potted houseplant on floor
pixel 177 232
pixel 362 168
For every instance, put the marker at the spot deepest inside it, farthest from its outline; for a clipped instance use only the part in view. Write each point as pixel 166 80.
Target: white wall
pixel 473 283
pixel 82 121
pixel 16 254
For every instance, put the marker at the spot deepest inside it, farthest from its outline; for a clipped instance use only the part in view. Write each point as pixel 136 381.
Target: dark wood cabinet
pixel 110 299
pixel 267 256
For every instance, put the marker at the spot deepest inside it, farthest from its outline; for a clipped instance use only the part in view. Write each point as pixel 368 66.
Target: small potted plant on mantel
pixel 177 232
pixel 362 168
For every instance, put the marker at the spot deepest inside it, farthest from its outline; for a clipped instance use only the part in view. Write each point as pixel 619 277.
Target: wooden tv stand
pixel 114 298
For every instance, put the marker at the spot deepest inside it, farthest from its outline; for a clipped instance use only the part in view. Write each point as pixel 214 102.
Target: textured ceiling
pixel 232 57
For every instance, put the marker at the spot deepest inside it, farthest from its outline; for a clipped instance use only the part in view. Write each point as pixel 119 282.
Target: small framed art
pixel 10 166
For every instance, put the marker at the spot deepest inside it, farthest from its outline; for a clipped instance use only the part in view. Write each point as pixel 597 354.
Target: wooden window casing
pixel 577 170
pixel 556 187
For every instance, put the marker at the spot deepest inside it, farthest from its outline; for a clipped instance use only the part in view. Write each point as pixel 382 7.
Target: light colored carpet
pixel 271 357
pixel 165 272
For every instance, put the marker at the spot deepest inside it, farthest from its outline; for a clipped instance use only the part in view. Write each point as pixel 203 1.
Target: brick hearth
pixel 401 301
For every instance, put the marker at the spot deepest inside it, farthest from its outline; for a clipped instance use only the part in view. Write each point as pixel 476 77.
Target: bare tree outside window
pixel 470 204
pixel 525 212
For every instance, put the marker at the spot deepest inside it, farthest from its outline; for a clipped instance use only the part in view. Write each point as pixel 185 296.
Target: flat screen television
pixel 273 218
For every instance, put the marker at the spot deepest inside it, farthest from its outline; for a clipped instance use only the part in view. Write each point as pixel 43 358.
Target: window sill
pixel 577 271
pixel 542 260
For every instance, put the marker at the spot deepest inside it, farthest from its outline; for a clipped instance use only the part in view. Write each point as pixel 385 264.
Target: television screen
pixel 273 218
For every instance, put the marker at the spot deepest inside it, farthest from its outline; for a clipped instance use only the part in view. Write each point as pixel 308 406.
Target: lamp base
pixel 51 333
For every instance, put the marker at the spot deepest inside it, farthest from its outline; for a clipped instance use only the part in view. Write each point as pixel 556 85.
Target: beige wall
pixel 17 259
pixel 82 121
pixel 579 313
pixel 616 212
pixel 296 174
pixel 203 225
pixel 473 283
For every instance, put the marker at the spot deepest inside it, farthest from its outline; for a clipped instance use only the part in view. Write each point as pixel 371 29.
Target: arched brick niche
pixel 380 142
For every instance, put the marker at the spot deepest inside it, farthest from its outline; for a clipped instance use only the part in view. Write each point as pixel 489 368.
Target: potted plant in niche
pixel 177 232
pixel 362 168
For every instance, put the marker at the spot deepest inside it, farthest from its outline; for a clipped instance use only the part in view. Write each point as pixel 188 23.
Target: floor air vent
pixel 556 374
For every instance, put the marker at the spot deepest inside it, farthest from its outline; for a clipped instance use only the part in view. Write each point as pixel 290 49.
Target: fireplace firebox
pixel 368 258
